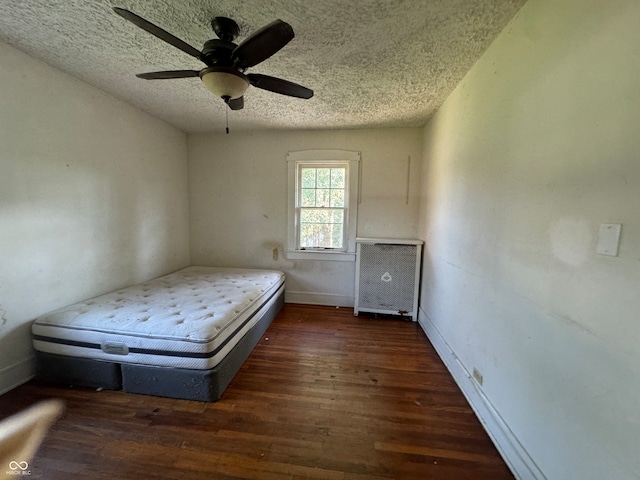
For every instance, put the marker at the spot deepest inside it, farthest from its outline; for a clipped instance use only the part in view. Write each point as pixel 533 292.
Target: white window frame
pixel 315 159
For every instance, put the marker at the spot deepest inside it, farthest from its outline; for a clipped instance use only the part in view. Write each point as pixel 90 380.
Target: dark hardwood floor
pixel 325 395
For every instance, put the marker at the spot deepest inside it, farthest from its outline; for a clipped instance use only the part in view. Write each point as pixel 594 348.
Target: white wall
pixel 536 148
pixel 93 196
pixel 238 201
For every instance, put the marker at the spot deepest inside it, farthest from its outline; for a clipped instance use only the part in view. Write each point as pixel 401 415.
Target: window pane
pixel 308 216
pixel 337 177
pixel 336 236
pixel 317 215
pixel 321 228
pixel 320 235
pixel 323 178
pixel 337 198
pixel 323 196
pixel 308 197
pixel 308 178
pixel 306 235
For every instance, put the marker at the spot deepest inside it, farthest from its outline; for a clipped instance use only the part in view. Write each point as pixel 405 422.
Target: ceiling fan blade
pixel 158 32
pixel 262 44
pixel 168 74
pixel 277 85
pixel 236 103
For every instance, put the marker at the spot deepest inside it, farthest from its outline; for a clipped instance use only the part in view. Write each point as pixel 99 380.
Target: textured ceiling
pixel 371 63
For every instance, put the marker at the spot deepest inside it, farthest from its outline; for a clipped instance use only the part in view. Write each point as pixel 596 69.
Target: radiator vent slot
pixel 387 276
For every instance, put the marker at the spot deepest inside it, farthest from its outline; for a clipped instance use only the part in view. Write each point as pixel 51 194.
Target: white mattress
pixel 188 319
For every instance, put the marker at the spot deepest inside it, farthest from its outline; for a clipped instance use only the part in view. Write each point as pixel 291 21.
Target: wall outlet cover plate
pixel 609 239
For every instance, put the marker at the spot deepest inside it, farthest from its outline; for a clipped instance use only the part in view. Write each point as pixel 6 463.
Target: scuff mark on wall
pixel 3 320
pixel 567 320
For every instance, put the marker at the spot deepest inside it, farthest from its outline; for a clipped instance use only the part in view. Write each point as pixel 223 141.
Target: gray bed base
pixel 188 384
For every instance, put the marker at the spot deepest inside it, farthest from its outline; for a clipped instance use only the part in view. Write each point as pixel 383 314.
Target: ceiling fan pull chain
pixel 226 109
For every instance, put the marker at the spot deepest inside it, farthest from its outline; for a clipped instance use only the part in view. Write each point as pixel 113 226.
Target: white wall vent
pixel 388 276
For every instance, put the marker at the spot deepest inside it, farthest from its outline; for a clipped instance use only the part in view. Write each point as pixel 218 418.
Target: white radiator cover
pixel 387 276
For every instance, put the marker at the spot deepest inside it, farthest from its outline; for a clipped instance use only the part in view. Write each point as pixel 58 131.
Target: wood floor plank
pixel 324 395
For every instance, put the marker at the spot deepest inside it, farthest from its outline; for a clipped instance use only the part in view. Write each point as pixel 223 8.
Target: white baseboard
pixel 512 451
pixel 15 375
pixel 318 298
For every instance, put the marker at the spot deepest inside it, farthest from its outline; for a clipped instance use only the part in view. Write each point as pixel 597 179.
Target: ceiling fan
pixel 226 62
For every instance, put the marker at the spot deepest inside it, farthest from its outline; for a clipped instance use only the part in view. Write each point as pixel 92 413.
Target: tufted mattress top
pixel 188 319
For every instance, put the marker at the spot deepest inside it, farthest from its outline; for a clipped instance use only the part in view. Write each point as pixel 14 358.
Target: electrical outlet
pixel 477 375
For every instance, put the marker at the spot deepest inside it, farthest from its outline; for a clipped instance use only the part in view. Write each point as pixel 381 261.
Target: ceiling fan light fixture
pixel 224 82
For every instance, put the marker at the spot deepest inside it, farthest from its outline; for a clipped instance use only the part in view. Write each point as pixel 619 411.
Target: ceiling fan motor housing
pixel 218 52
pixel 226 28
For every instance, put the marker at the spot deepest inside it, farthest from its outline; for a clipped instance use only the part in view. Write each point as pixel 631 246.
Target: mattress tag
pixel 115 348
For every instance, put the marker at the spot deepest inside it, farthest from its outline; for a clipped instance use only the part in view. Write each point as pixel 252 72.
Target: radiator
pixel 388 276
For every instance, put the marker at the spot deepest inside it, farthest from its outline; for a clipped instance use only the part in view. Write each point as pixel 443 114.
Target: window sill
pixel 321 255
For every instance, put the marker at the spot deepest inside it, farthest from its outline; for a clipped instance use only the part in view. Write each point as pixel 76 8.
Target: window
pixel 323 200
